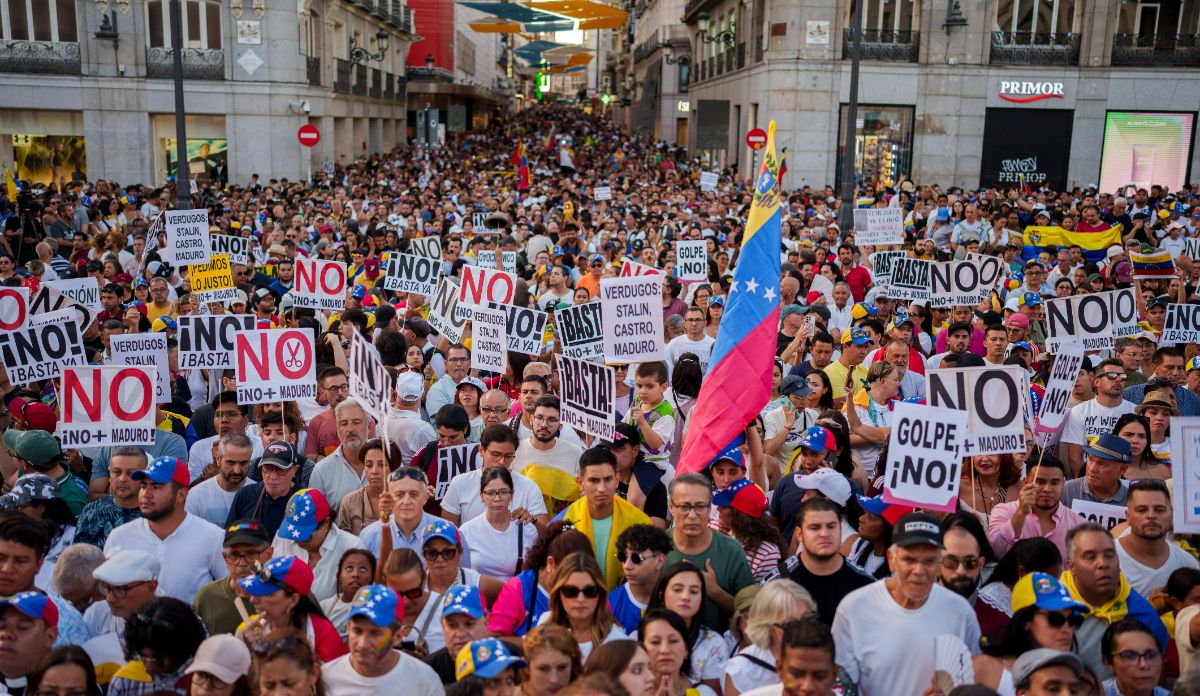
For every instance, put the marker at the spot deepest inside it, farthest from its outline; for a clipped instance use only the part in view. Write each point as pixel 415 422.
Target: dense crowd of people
pixel 302 547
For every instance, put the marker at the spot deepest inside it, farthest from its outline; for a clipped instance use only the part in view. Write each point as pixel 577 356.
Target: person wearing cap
pixel 285 274
pixel 221 662
pixel 1093 577
pixel 468 394
pixel 464 620
pixel 39 452
pixel 741 514
pixel 1169 362
pixel 308 532
pixel 35 495
pixel 1147 557
pixel 28 630
pixel 591 281
pixel 266 500
pixel 784 427
pixel 491 663
pixel 281 592
pixel 188 548
pixel 126 581
pixel 955 339
pixel 223 604
pixel 1158 408
pixel 1089 419
pixel 1108 457
pixel 1047 672
pixel 909 608
pixel 855 345
pixel 407 431
pixel 374 665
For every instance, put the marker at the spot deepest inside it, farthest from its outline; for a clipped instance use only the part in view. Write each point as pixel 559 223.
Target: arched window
pixel 201 23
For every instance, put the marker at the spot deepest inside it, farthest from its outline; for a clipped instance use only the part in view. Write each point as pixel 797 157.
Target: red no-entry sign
pixel 310 136
pixel 756 138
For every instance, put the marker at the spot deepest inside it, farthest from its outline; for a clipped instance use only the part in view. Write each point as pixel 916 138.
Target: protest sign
pixel 1124 313
pixel 47 300
pixel 145 350
pixel 482 285
pixel 1093 319
pixel 443 316
pixel 489 347
pixel 691 260
pixel 410 273
pixel 452 461
pixel 882 262
pixel 487 259
pixel 85 291
pixel 708 181
pixel 1185 449
pixel 477 223
pixel 187 237
pixel 1182 324
pixel 878 226
pixel 1103 514
pixel 370 382
pixel 603 193
pixel 992 398
pixel 275 365
pixel 524 328
pixel 213 281
pixel 581 330
pixel 961 282
pixel 824 286
pixel 629 268
pixel 910 279
pixel 429 247
pixel 14 308
pixel 236 248
pixel 991 271
pixel 1192 247
pixel 924 458
pixel 107 406
pixel 1068 360
pixel 319 284
pixel 633 319
pixel 34 353
pixel 208 341
pixel 589 396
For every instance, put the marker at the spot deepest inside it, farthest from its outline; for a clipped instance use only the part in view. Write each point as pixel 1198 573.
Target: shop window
pixel 882 144
pixel 1034 21
pixel 201 24
pixel 38 20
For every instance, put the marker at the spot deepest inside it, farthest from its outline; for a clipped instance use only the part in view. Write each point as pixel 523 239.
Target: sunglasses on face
pixel 444 554
pixel 571 591
pixel 638 557
pixel 1058 620
pixel 968 562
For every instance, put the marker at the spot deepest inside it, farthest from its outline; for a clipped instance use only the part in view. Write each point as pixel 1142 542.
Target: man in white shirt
pixel 547 458
pixel 228 417
pixel 558 290
pixel 1088 419
pixel 211 498
pixel 406 430
pixel 533 388
pixel 308 533
pixel 458 363
pixel 1147 558
pixel 497 447
pixel 127 580
pixel 694 340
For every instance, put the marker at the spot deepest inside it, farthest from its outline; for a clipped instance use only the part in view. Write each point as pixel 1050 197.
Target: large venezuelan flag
pixel 738 382
pixel 1093 244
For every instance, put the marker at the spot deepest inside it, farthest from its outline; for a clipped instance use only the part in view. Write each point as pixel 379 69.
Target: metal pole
pixel 846 214
pixel 183 188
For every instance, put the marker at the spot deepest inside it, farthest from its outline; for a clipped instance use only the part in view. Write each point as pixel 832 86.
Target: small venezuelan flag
pixel 1152 266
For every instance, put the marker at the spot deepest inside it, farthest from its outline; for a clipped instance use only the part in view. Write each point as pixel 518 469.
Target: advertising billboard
pixel 1023 147
pixel 207 159
pixel 1145 148
pixel 49 159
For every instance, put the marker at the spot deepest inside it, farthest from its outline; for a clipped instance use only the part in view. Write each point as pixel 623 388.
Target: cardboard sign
pixel 213 281
pixel 209 341
pixel 1103 514
pixel 630 268
pixel 85 291
pixel 589 396
pixel 487 259
pixel 691 260
pixel 145 350
pixel 924 456
pixel 633 319
pixel 878 226
pixel 708 181
pixel 954 283
pixel 47 300
pixel 274 365
pixel 429 247
pixel 14 308
pixel 1192 247
pixel 443 314
pixel 523 327
pixel 603 193
pixel 107 406
pixel 992 398
pixel 319 284
pixel 882 262
pixel 1182 325
pixel 489 347
pixel 410 273
pixel 370 382
pixel 1091 319
pixel 453 461
pixel 187 237
pixel 581 330
pixel 236 248
pixel 483 285
pixel 909 279
pixel 1185 460
pixel 1124 313
pixel 1068 361
pixel 35 353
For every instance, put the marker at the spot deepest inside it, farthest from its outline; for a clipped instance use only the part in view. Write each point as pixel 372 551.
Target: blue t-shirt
pixel 625 609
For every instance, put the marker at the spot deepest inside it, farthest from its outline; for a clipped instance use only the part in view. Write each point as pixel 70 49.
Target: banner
pixel 14 307
pixel 370 382
pixel 47 300
pixel 409 273
pixel 35 353
pixel 1103 514
pixel 452 461
pixel 878 226
pixel 187 237
pixel 319 284
pixel 708 181
pixel 213 281
pixel 629 268
pixel 924 459
pixel 429 247
pixel 633 319
pixel 236 248
pixel 145 350
pixel 274 365
pixel 961 282
pixel 581 330
pixel 992 398
pixel 487 259
pixel 1185 449
pixel 107 406
pixel 489 347
pixel 1068 361
pixel 207 342
pixel 691 260
pixel 589 396
pixel 1096 319
pixel 483 285
pixel 443 316
pixel 1026 147
pixel 524 328
pixel 1182 325
pixel 85 291
pixel 910 279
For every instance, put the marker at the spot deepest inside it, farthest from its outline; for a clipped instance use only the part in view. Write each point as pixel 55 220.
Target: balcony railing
pixel 376 91
pixel 360 81
pixel 1158 50
pixel 198 63
pixel 39 57
pixel 884 44
pixel 314 70
pixel 728 60
pixel 341 82
pixel 1034 48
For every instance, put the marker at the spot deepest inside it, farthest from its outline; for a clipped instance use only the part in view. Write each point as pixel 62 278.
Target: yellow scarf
pixel 625 515
pixel 1111 611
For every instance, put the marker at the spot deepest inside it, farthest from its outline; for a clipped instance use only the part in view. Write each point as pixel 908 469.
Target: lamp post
pixel 360 55
pixel 846 214
pixel 183 188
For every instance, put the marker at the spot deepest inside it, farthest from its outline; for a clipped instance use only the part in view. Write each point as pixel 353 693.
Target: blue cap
pixel 943 214
pixel 857 336
pixel 34 604
pixel 731 453
pixel 1110 447
pixel 440 529
pixel 279 573
pixel 1021 345
pixel 165 470
pixel 717 301
pixel 818 438
pixel 378 604
pixel 485 659
pixel 1031 299
pixel 1045 592
pixel 463 599
pixel 306 510
pixel 358 292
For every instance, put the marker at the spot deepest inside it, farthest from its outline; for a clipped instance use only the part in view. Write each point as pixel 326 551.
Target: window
pixel 201 23
pixel 684 69
pixel 38 20
pixel 1159 18
pixel 1027 19
pixel 882 16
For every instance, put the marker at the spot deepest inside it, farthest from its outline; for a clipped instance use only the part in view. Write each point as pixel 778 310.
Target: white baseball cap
pixel 410 387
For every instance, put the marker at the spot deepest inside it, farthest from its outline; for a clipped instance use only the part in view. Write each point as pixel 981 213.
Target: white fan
pixel 951 663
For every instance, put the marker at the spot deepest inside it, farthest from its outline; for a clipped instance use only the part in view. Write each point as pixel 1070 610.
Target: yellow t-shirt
pixel 153 312
pixel 836 372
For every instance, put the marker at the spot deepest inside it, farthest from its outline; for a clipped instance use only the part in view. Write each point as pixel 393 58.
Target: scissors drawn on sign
pixel 292 359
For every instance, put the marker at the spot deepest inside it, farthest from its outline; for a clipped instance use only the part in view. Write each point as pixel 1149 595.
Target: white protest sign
pixel 107 406
pixel 603 193
pixel 708 181
pixel 691 260
pixel 961 282
pixel 443 316
pixel 187 237
pixel 882 262
pixel 429 247
pixel 454 460
pixel 1191 247
pixel 581 330
pixel 878 226
pixel 85 291
pixel 1067 363
pixel 1124 313
pixel 370 382
pixel 34 353
pixel 482 285
pixel 991 272
pixel 824 286
pixel 992 398
pixel 1185 459
pixel 1103 514
pixel 1182 324
pixel 236 248
pixel 14 307
pixel 489 347
pixel 1090 319
pixel 208 341
pixel 145 350
pixel 633 319
pixel 47 300
pixel 410 273
pixel 910 279
pixel 477 223
pixel 274 365
pixel 319 284
pixel 487 259
pixel 631 268
pixel 589 396
pixel 924 456
pixel 524 328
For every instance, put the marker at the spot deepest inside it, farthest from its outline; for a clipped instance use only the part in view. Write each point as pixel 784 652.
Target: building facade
pixel 662 64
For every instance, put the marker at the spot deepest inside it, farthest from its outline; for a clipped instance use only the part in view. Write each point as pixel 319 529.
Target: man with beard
pixel 100 517
pixel 211 498
pixel 266 502
pixel 1147 558
pixel 188 548
pixel 551 461
pixel 819 568
pixel 228 417
pixel 1038 511
pixel 533 387
pixel 962 563
pixel 223 604
pixel 342 471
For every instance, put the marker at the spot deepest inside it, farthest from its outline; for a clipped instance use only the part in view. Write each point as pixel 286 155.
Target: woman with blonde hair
pixel 869 415
pixel 778 602
pixel 579 602
pixel 553 661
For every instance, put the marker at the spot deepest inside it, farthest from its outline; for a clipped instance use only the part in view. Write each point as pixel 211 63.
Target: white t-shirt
pixel 462 496
pixel 495 552
pixel 566 434
pixel 1089 419
pixel 564 456
pixel 209 501
pixel 200 455
pixel 774 420
pixel 869 624
pixel 1183 638
pixel 682 344
pixel 1145 579
pixel 867 455
pixel 410 677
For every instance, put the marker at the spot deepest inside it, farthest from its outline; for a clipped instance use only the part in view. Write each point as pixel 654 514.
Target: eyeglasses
pixel 238 558
pixel 498 493
pixel 638 557
pixel 698 509
pixel 1057 619
pixel 151 660
pixel 338 388
pixel 968 562
pixel 118 591
pixel 408 472
pixel 227 414
pixel 548 420
pixel 286 644
pixel 457 360
pixel 444 554
pixel 495 411
pixel 1113 375
pixel 1132 657
pixel 571 591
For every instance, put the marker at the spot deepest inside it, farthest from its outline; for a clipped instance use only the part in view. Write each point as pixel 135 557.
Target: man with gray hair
pixel 407 432
pixel 228 417
pixel 45 254
pixel 212 497
pixel 73 578
pixel 342 471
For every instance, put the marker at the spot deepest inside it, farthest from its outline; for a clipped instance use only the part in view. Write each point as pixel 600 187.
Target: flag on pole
pixel 522 169
pixel 550 138
pixel 10 183
pixel 782 165
pixel 738 382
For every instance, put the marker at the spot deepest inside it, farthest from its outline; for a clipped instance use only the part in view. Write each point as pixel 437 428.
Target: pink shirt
pixel 1000 531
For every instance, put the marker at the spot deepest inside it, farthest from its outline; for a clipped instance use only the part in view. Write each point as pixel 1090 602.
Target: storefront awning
pixel 547 16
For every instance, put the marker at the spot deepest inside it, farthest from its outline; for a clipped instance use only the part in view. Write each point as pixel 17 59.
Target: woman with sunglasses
pixel 499 542
pixel 579 602
pixel 1044 616
pixel 681 589
pixel 356 570
pixel 280 593
pixel 286 666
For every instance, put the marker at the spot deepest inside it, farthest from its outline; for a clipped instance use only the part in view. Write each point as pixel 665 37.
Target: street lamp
pixel 360 55
pixel 670 59
pixel 725 36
